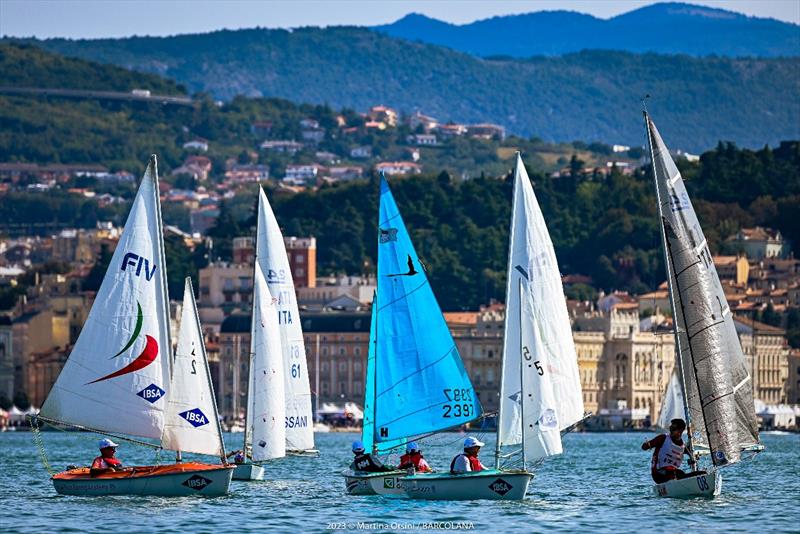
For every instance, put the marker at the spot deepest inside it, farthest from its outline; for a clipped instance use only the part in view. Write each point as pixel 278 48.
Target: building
pixel 239 173
pixel 732 269
pixel 346 172
pixel 422 139
pixel 303 173
pixel 261 129
pixel 383 114
pixel 198 167
pixel 198 143
pixel 486 131
pixel 6 358
pixel 793 382
pixel 394 168
pixel 767 353
pixel 43 370
pixel 302 254
pixel 758 242
pixel 282 146
pixel 417 120
pixel 326 291
pixel 361 152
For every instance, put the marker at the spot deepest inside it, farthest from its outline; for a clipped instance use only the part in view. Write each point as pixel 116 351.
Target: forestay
pixel 192 421
pixel 541 390
pixel 117 375
pixel 421 385
pixel 266 407
pixel 719 390
pixel 271 256
pixel 672 404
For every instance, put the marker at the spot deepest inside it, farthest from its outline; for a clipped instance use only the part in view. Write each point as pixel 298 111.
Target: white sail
pixel 672 404
pixel 271 256
pixel 117 375
pixel 191 422
pixel 266 397
pixel 541 391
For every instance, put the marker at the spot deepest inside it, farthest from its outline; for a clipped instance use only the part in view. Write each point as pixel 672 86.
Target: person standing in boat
pixel 468 460
pixel 413 458
pixel 107 460
pixel 364 462
pixel 668 454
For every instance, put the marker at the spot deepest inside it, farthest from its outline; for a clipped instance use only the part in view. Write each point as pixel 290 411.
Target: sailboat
pixel 416 384
pixel 672 403
pixel 274 263
pixel 120 379
pixel 715 382
pixel 265 429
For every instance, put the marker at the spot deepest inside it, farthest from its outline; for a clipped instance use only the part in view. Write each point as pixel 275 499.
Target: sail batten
pixel 416 376
pixel 102 386
pixel 714 370
pixel 272 258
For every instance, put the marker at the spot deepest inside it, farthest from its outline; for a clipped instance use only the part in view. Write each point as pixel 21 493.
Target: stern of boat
pixel 707 485
pixel 248 472
pixel 496 485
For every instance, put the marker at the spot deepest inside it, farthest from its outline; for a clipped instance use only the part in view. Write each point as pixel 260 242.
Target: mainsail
pixel 421 385
pixel 271 257
pixel 718 386
pixel 541 390
pixel 672 406
pixel 191 421
pixel 265 434
pixel 118 373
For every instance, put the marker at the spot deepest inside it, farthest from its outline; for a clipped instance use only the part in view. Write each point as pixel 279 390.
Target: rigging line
pixel 396 215
pixel 54 422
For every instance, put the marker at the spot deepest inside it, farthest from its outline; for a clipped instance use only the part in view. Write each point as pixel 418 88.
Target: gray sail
pixel 718 386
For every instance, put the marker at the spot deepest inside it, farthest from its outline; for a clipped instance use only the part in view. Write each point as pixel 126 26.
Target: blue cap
pixel 412 446
pixel 358 446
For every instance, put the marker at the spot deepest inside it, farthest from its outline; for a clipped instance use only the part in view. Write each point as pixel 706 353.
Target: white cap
pixel 412 446
pixel 358 446
pixel 472 442
pixel 106 443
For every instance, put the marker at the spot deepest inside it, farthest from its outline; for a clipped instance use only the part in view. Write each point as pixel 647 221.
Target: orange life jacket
pixel 416 460
pixel 102 462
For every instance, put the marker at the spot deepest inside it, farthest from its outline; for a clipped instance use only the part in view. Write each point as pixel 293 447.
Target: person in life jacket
pixel 106 461
pixel 468 460
pixel 238 456
pixel 413 458
pixel 364 462
pixel 668 454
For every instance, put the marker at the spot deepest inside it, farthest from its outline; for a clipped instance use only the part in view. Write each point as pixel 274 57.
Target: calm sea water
pixel 602 483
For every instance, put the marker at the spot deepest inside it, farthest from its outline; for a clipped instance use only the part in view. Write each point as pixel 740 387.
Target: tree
pixel 98 272
pixel 21 400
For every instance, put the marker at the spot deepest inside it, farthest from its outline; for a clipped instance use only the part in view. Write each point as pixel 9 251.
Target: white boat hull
pixel 165 481
pixel 708 485
pixel 309 452
pixel 248 472
pixel 388 483
pixel 491 484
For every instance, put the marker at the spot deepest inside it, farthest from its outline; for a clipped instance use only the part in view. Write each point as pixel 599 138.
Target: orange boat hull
pixel 190 478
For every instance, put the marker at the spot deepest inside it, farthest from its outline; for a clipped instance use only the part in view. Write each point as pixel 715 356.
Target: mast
pixel 668 267
pixel 374 371
pixel 252 337
pixel 316 380
pixel 521 377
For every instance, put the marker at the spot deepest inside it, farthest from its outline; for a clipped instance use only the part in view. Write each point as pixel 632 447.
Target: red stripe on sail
pixel 147 357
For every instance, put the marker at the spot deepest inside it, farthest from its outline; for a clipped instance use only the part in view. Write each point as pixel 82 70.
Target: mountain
pixel 667 28
pixel 590 95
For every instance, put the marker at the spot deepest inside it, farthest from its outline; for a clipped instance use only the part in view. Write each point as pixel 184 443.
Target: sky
pixel 121 18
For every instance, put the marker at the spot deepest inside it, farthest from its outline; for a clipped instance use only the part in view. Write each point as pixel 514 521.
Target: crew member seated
pixel 413 458
pixel 364 462
pixel 668 454
pixel 468 461
pixel 106 462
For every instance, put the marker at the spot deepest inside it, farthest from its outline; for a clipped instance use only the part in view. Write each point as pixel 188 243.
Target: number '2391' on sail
pixel 121 378
pixel 716 386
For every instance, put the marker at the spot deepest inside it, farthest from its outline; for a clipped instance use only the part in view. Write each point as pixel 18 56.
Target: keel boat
pixel 540 393
pixel 716 390
pixel 265 430
pixel 274 263
pixel 121 379
pixel 416 384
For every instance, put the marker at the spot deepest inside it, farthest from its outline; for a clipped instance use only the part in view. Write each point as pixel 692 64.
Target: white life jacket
pixel 670 455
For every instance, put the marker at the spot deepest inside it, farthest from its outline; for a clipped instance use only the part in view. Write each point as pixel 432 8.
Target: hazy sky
pixel 117 18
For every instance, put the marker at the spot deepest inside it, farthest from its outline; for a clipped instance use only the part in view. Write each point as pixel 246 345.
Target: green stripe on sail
pixel 139 320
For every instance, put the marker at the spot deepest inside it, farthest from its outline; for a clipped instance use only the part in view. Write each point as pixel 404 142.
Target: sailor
pixel 106 461
pixel 413 458
pixel 364 462
pixel 468 460
pixel 238 456
pixel 668 454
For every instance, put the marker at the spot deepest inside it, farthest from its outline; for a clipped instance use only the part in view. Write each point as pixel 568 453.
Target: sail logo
pixel 145 358
pixel 139 262
pixel 196 482
pixel 195 417
pixel 387 235
pixel 384 432
pixel 678 203
pixel 296 421
pixel 500 486
pixel 548 419
pixel 151 393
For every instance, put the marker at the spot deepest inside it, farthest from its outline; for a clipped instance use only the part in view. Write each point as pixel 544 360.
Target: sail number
pixel 459 403
pixel 295 370
pixel 526 353
pixel 702 483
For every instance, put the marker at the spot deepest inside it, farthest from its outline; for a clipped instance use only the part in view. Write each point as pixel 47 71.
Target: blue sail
pixel 421 385
pixel 368 428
